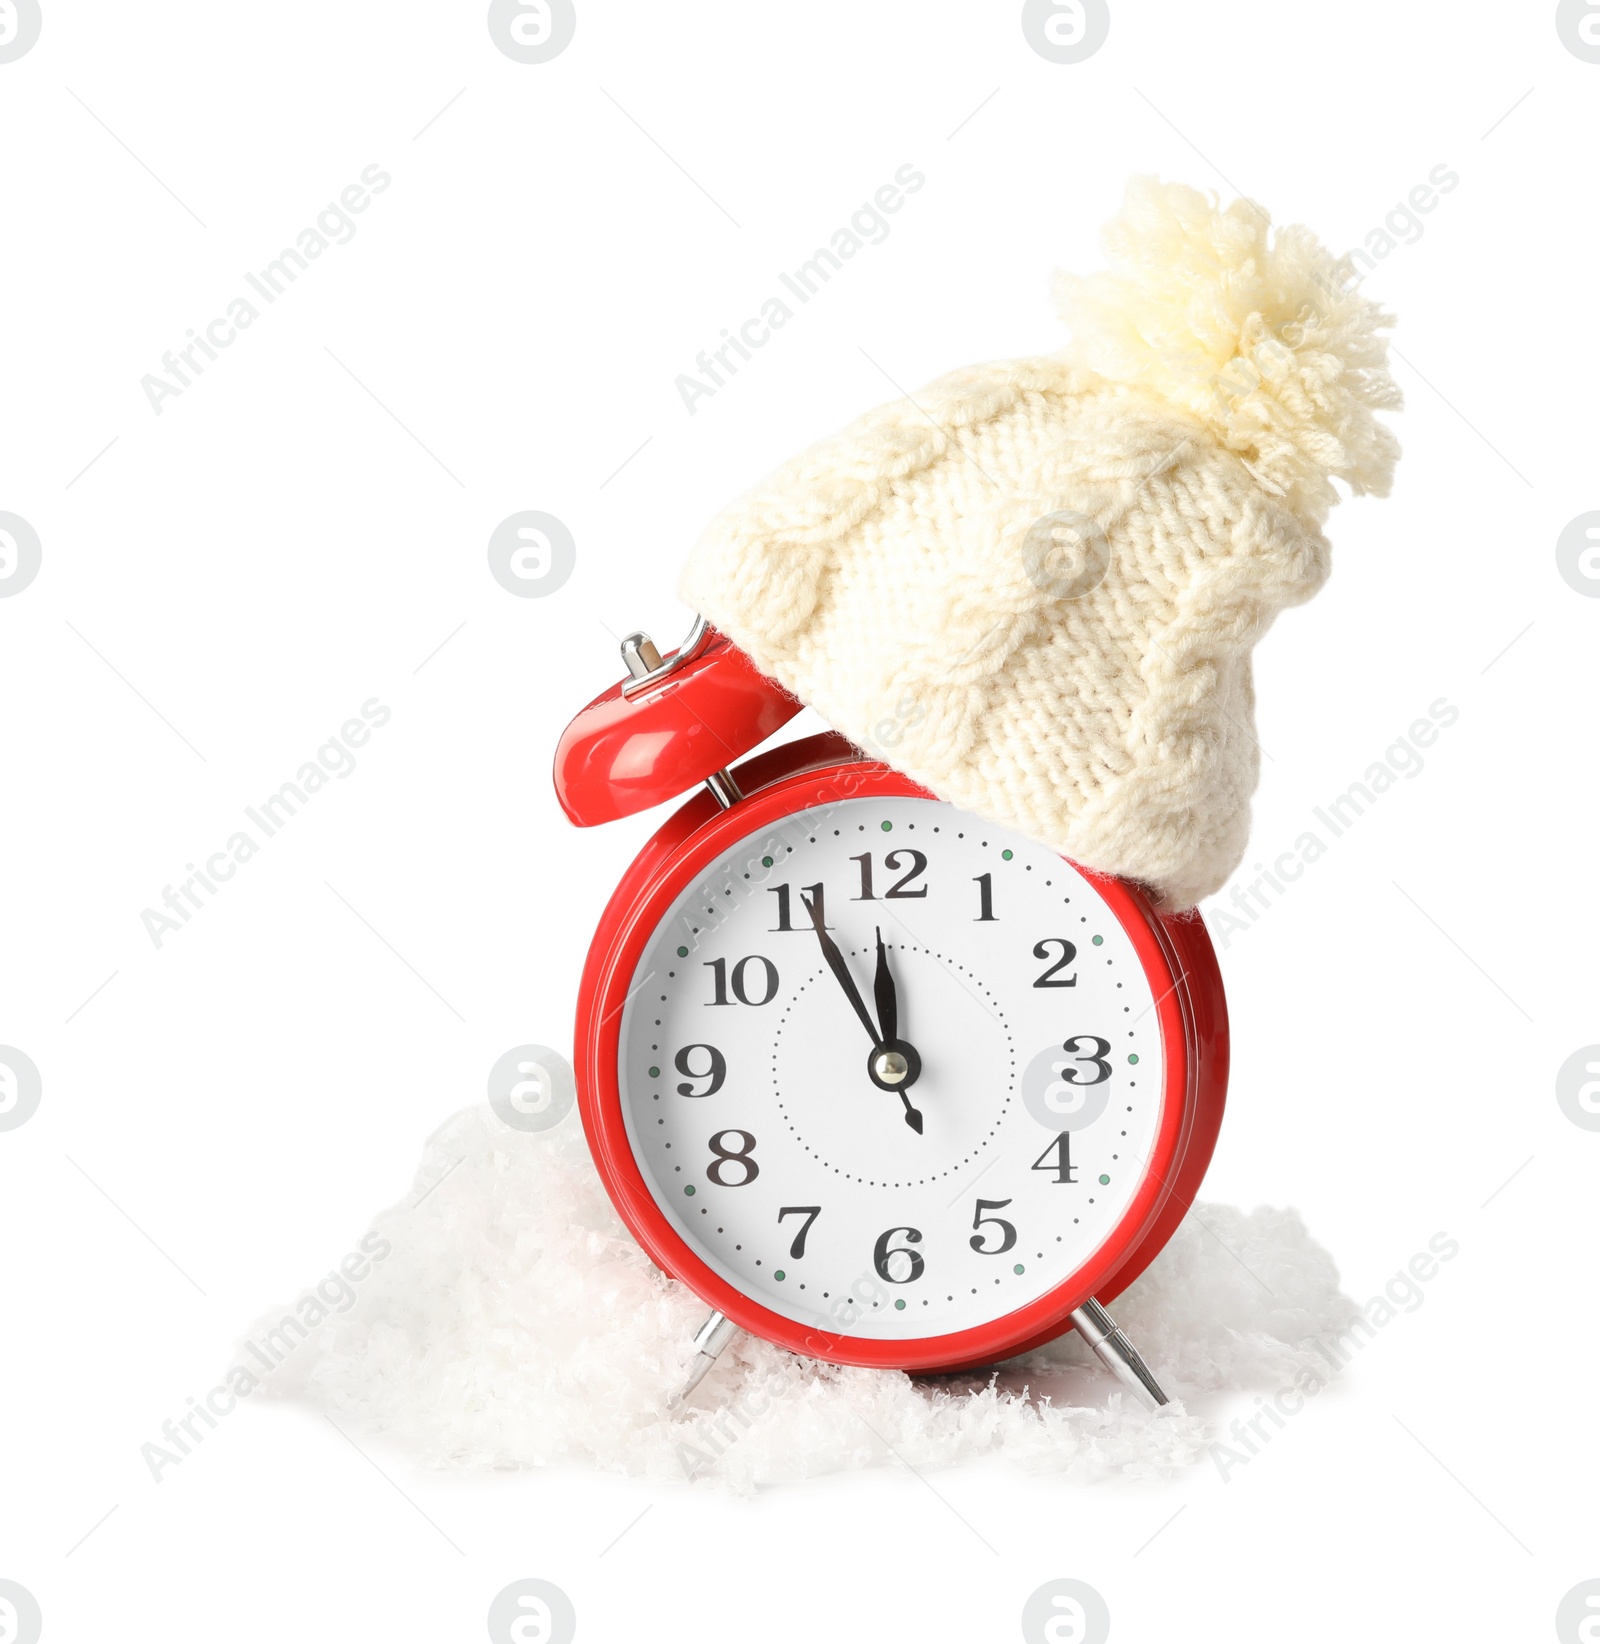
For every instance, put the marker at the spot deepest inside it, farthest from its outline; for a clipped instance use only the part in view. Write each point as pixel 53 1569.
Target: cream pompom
pixel 1264 343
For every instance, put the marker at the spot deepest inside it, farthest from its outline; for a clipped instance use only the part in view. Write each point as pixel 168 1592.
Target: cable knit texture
pixel 1036 587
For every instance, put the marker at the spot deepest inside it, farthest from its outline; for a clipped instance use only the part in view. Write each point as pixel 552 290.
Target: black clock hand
pixel 883 996
pixel 889 1067
pixel 903 1069
pixel 841 971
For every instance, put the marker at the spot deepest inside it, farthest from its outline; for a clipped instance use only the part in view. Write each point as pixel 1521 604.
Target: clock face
pixel 902 1178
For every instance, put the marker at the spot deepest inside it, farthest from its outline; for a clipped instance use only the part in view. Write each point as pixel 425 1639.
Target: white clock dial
pixel 1028 1045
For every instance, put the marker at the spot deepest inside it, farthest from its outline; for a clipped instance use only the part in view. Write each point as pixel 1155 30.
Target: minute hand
pixel 840 970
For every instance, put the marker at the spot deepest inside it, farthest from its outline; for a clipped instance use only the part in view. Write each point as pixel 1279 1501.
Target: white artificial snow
pixel 513 1322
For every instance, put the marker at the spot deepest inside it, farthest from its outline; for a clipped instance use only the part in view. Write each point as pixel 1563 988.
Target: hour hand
pixel 883 996
pixel 895 1065
pixel 841 971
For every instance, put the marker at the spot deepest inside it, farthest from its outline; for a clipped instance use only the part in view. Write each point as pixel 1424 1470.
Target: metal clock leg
pixel 1116 1352
pixel 709 1341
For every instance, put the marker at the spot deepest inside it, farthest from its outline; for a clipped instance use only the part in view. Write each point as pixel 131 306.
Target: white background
pixel 229 580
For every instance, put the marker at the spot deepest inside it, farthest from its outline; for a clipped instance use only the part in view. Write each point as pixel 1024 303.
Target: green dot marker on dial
pixel 886 826
pixel 1097 940
pixel 1105 1181
pixel 689 1192
pixel 901 1305
pixel 766 861
pixel 683 953
pixel 778 1274
pixel 1133 1057
pixel 655 1073
pixel 1017 1268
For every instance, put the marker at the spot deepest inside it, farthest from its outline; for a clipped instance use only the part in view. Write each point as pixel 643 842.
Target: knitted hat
pixel 1034 588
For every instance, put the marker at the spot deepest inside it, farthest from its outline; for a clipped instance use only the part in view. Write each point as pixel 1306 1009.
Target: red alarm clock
pixel 878 1080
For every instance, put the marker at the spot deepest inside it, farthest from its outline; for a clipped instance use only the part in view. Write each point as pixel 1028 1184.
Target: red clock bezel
pixel 1178 962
